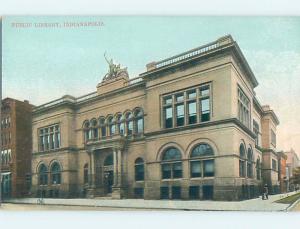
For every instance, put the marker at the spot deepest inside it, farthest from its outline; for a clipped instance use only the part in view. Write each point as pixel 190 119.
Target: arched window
pixel 129 123
pixel 9 155
pixel 171 164
pixel 94 129
pixel 86 131
pixel 86 173
pixel 112 125
pixel 258 169
pixel 139 121
pixel 242 161
pixel 139 169
pixel 102 126
pixel 55 173
pixel 249 163
pixel 201 161
pixel 43 175
pixel 121 124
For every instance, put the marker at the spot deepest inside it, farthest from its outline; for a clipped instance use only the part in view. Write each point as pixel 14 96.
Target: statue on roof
pixel 114 70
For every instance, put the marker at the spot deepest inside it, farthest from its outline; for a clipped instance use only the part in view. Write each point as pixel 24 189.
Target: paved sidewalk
pixel 247 205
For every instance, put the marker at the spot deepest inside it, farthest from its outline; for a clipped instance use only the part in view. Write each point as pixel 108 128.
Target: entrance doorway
pixel 6 185
pixel 108 178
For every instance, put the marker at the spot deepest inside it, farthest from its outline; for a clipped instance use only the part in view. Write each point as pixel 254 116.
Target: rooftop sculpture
pixel 114 71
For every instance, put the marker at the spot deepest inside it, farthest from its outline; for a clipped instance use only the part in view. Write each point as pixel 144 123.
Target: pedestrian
pixel 266 192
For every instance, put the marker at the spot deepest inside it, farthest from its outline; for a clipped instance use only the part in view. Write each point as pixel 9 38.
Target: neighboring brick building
pixel 292 162
pixel 190 127
pixel 265 122
pixel 16 145
pixel 282 176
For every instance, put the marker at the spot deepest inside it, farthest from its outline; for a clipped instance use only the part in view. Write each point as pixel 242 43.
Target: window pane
pixel 171 154
pixel 168 117
pixel 176 192
pixel 168 100
pixel 166 171
pixel 204 90
pixel 194 192
pixel 208 168
pixel 140 125
pixel 196 169
pixel 52 141
pixel 139 172
pixel 112 129
pixel 122 128
pixel 95 133
pixel 103 131
pixel 57 139
pixel 179 97
pixel 205 110
pixel 202 150
pixel 177 170
pixel 242 168
pixel 192 112
pixel 129 127
pixel 191 94
pixel 164 192
pixel 180 115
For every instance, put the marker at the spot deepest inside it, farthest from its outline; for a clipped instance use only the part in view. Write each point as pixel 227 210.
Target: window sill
pixel 50 150
pixel 172 179
pixel 202 178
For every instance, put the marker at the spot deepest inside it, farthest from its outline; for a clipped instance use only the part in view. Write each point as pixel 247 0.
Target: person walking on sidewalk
pixel 265 192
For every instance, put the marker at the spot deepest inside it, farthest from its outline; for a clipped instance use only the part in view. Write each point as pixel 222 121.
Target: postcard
pixel 150 113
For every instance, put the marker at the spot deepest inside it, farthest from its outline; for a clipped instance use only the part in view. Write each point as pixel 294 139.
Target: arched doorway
pixel 108 174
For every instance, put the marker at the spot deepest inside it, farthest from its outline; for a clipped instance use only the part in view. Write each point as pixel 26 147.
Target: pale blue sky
pixel 42 64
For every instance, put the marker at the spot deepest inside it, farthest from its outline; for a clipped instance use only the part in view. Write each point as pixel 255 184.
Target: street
pixel 36 207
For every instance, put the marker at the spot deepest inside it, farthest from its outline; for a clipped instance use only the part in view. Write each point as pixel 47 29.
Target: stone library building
pixel 189 127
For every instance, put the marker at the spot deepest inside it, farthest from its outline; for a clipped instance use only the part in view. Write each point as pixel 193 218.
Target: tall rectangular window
pixel 180 115
pixel 164 192
pixel 208 168
pixel 192 112
pixel 52 138
pixel 194 192
pixel 205 110
pixel 166 171
pixel 176 192
pixel 49 138
pixel 274 165
pixel 177 170
pixel 196 169
pixel 204 103
pixel 42 144
pixel 256 132
pixel 243 108
pixel 168 117
pixel 103 131
pixel 273 138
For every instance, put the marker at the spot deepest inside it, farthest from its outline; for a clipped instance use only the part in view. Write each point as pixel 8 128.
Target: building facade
pixel 292 162
pixel 190 127
pixel 16 145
